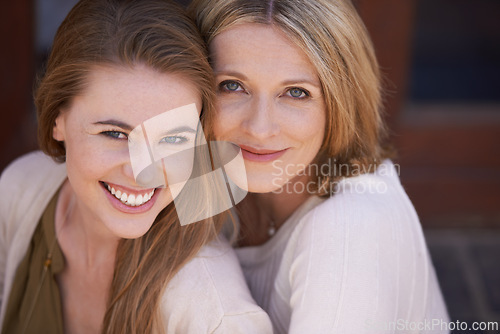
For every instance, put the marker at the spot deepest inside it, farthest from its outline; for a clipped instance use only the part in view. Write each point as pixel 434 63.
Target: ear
pixel 58 132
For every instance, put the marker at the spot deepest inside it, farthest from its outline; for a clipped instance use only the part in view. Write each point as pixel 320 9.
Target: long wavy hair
pixel 160 35
pixel 334 38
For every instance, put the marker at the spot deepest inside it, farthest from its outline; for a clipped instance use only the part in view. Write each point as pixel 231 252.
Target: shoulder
pixel 361 245
pixel 30 176
pixel 32 169
pixel 370 212
pixel 376 197
pixel 209 294
pixel 27 185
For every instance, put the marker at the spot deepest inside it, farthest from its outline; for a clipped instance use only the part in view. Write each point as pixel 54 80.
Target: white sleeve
pixel 8 191
pixel 358 263
pixel 209 295
pixel 256 322
pixel 3 233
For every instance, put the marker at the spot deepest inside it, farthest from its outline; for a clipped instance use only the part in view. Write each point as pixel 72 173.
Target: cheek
pixel 305 126
pixel 218 128
pixel 224 122
pixel 89 158
pixel 315 139
pixel 316 124
pixel 317 129
pixel 81 160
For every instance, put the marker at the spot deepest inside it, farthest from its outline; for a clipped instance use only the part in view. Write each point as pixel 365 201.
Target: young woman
pixel 84 247
pixel 328 240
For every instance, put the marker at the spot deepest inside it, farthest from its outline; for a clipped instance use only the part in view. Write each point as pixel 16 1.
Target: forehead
pixel 133 94
pixel 254 45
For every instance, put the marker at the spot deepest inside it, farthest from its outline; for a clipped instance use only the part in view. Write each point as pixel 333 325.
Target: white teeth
pixel 138 200
pixel 131 200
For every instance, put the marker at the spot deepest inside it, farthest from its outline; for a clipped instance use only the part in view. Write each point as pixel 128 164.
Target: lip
pixel 260 155
pixel 117 204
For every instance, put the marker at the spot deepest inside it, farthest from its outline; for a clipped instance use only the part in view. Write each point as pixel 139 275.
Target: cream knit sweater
pixel 354 263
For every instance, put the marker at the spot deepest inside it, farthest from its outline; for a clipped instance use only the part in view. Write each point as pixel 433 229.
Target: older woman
pixel 328 240
pixel 86 247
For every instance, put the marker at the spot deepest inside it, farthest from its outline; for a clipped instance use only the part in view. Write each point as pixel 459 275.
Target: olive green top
pixel 34 304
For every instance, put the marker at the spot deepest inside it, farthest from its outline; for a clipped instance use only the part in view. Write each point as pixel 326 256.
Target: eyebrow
pixel 119 124
pixel 125 126
pixel 178 129
pixel 232 74
pixel 291 82
pixel 302 81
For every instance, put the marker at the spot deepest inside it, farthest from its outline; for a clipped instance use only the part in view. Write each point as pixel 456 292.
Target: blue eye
pixel 297 93
pixel 115 134
pixel 174 140
pixel 230 86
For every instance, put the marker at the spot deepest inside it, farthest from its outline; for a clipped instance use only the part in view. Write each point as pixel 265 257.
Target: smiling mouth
pixel 129 199
pixel 260 151
pixel 260 155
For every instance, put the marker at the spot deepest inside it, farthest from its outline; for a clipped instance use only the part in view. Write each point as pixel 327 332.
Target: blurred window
pixel 456 54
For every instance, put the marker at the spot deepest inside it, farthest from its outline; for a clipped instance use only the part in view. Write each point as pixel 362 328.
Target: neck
pixel 281 204
pixel 81 236
pixel 258 210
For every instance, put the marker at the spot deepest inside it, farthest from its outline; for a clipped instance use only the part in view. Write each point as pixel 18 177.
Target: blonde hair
pixel 159 34
pixel 332 35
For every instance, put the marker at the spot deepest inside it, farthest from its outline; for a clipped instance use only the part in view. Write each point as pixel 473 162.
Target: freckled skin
pixel 130 96
pixel 88 223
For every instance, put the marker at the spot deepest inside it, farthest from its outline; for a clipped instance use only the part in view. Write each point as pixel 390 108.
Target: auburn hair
pixel 158 34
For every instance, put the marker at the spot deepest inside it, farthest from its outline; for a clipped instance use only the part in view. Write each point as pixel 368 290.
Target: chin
pixel 131 235
pixel 264 184
pixel 130 230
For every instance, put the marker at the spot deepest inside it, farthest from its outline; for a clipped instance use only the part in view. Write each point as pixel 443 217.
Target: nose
pixel 123 159
pixel 261 120
pixel 127 170
pixel 141 170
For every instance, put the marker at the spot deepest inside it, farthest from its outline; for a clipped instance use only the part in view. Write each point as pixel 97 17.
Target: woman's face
pixel 269 102
pixel 95 131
